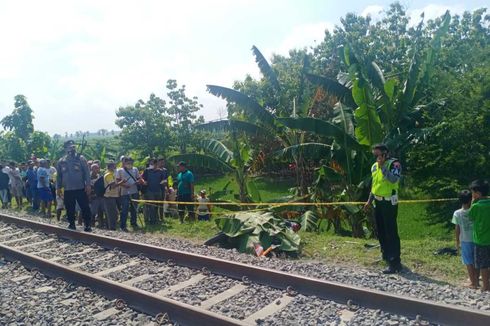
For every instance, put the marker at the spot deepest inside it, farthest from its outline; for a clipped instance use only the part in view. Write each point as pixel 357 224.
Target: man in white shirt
pixel 129 178
pixel 16 184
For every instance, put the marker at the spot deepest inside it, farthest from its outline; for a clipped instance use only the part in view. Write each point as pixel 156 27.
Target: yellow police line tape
pixel 413 201
pixel 213 213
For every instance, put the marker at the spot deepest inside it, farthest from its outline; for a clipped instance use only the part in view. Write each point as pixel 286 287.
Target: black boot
pixel 72 226
pixel 87 228
pixel 393 269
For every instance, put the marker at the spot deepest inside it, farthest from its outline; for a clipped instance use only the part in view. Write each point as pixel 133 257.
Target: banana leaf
pixel 309 221
pixel 254 191
pixel 266 69
pixel 246 228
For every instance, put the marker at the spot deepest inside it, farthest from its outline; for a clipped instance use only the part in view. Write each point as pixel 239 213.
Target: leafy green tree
pixel 39 144
pixel 20 120
pixel 182 113
pixel 145 127
pixel 14 148
pixel 456 145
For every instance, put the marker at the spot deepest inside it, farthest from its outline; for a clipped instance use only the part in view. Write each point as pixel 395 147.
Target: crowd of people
pixel 102 198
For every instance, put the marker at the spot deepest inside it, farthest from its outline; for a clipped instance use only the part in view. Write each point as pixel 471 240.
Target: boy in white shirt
pixel 464 237
pixel 171 208
pixel 204 208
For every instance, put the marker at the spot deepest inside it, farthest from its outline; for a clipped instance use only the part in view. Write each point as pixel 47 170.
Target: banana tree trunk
pixel 301 176
pixel 242 187
pixel 356 225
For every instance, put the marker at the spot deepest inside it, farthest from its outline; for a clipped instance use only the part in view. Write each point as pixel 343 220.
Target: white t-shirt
pixel 131 182
pixel 461 218
pixel 172 195
pixel 202 208
pixel 43 177
pixel 14 176
pixel 52 173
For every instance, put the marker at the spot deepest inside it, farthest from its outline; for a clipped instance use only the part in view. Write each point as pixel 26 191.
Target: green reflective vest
pixel 381 186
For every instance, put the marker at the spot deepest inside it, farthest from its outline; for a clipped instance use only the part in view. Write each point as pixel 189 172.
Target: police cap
pixel 68 143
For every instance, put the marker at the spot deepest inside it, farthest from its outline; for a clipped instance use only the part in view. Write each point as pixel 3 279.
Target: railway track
pixel 191 289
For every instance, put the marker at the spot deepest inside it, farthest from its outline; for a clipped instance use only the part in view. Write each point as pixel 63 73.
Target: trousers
pixel 128 206
pixel 97 209
pixel 182 207
pixel 72 197
pixel 111 212
pixel 34 197
pixel 385 215
pixel 4 197
pixel 151 210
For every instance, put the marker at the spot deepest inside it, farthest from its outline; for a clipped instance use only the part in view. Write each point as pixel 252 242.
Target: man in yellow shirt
pixel 386 173
pixel 111 195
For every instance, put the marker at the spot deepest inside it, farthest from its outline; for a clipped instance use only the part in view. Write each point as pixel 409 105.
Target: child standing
pixel 204 208
pixel 4 187
pixel 43 187
pixel 171 209
pixel 479 213
pixel 464 237
pixel 60 205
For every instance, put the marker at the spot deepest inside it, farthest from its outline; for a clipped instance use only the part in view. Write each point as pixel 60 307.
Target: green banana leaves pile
pixel 243 229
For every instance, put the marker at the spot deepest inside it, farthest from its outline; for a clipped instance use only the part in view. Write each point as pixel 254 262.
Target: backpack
pixel 99 187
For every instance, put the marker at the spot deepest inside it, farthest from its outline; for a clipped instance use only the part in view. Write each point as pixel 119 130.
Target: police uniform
pixel 384 194
pixel 73 176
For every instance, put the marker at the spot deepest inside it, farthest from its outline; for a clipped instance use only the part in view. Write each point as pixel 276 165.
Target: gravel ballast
pixel 302 308
pixel 40 300
pixel 407 283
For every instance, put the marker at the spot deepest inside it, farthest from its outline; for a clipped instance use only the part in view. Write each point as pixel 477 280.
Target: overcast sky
pixel 78 61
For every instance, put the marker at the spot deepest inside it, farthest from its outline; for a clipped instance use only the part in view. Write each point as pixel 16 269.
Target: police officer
pixel 386 173
pixel 74 178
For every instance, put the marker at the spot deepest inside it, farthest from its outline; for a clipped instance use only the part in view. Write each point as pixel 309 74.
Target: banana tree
pixel 340 174
pixel 294 144
pixel 234 158
pixel 387 109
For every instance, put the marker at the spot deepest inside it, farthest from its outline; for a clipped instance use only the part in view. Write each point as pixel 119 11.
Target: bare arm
pixel 58 176
pixel 458 232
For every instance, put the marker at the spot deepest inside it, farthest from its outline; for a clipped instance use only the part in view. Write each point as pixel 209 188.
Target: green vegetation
pixel 422 87
pixel 419 238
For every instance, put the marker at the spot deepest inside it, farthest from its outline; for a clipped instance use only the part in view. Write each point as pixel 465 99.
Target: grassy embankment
pixel 419 239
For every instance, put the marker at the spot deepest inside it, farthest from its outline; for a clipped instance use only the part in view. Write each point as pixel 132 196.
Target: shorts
pixel 468 253
pixel 482 256
pixel 203 217
pixel 45 194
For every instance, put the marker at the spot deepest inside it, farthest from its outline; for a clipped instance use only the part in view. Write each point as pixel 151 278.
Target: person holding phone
pixel 386 173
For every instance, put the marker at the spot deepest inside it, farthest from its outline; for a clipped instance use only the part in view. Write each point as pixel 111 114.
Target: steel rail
pixel 445 314
pixel 143 301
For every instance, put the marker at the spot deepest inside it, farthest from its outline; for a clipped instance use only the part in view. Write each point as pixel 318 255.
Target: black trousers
pixel 71 197
pixel 385 215
pixel 183 207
